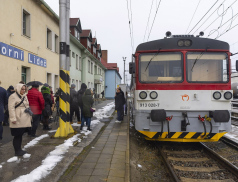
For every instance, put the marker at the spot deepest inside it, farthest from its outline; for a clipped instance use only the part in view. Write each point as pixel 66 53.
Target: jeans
pixel 88 121
pixel 1 130
pixel 35 123
pixel 120 113
pixel 76 110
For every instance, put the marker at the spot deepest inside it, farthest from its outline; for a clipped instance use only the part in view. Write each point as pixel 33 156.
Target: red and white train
pixel 181 89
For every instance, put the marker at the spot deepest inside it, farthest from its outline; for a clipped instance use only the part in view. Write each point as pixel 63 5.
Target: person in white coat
pixel 20 116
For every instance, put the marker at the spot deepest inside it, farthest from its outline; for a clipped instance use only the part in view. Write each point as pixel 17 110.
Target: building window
pixel 49 39
pixel 89 66
pixel 80 63
pixel 25 74
pixel 89 43
pixel 95 69
pixel 56 43
pixel 89 85
pixel 75 32
pixel 94 50
pixel 77 62
pixel 73 54
pixel 26 23
pixel 92 68
pixel 77 85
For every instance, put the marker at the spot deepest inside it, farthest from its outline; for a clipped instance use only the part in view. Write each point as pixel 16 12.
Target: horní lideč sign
pixel 15 53
pixel 36 60
pixel 11 52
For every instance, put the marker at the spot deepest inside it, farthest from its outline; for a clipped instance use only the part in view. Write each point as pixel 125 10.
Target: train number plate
pixel 149 104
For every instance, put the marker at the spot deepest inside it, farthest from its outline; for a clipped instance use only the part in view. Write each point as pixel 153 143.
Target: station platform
pixel 102 155
pixel 108 158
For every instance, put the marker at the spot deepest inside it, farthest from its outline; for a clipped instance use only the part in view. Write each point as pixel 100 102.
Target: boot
pixel 44 127
pixel 89 129
pixel 20 153
pixel 81 128
pixel 79 122
pixel 71 122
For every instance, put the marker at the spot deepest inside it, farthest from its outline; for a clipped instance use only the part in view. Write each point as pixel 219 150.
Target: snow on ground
pixel 56 155
pixel 35 141
pixel 233 134
pixel 49 163
pixel 103 113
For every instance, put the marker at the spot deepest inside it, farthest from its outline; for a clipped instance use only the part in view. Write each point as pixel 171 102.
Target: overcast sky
pixel 108 20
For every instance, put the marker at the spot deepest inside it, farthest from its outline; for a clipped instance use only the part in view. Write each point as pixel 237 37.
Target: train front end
pixel 182 89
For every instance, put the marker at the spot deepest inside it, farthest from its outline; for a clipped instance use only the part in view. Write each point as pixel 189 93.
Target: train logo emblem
pixel 185 97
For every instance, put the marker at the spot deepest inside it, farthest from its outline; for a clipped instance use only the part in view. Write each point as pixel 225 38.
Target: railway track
pixel 190 162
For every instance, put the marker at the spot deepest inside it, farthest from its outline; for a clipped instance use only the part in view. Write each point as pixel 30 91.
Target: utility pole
pixel 124 59
pixel 64 125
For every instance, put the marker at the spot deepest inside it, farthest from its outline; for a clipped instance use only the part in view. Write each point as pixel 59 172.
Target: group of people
pixel 23 110
pixel 83 100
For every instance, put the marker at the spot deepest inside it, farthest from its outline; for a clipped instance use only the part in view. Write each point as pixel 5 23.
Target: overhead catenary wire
pixel 154 20
pixel 233 17
pixel 193 16
pixel 148 21
pixel 203 16
pixel 132 29
pixel 219 16
pixel 130 26
pixel 208 17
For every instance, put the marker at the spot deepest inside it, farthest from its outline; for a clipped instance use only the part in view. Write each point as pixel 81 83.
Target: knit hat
pixel 45 90
pixel 73 85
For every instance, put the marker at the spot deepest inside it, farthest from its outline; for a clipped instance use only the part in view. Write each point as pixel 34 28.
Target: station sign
pixel 33 59
pixel 11 52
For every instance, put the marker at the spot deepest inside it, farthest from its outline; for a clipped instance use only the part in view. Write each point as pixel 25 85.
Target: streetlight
pixel 124 59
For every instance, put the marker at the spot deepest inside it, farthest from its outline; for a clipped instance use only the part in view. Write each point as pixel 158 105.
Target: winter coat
pixel 80 94
pixel 48 104
pixel 87 104
pixel 119 101
pixel 73 98
pixel 22 119
pixel 52 97
pixel 48 101
pixel 36 101
pixel 3 102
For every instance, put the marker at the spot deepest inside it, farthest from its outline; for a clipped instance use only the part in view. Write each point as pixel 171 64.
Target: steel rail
pixel 221 160
pixel 170 169
pixel 229 142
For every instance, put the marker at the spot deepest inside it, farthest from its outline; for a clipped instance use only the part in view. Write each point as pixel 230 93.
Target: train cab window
pixel 207 67
pixel 163 67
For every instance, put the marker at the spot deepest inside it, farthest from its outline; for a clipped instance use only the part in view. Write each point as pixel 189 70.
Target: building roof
pixel 86 33
pixel 75 22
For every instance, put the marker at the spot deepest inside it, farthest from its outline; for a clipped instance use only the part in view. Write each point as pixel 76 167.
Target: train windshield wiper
pixel 199 56
pixel 152 58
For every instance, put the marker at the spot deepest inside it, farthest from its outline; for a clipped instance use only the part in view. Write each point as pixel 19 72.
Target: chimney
pixel 104 55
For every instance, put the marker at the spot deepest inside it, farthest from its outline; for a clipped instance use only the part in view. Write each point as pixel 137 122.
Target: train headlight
pixel 216 95
pixel 153 95
pixel 228 95
pixel 143 95
pixel 187 43
pixel 180 43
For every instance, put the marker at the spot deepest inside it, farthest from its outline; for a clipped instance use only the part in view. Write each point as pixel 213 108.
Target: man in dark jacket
pixel 3 103
pixel 37 104
pixel 47 112
pixel 87 105
pixel 80 99
pixel 74 107
pixel 10 91
pixel 119 104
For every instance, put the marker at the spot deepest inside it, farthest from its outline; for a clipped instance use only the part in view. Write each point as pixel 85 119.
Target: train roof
pixel 172 43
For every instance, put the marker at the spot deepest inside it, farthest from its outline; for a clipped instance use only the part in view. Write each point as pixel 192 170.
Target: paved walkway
pixel 108 159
